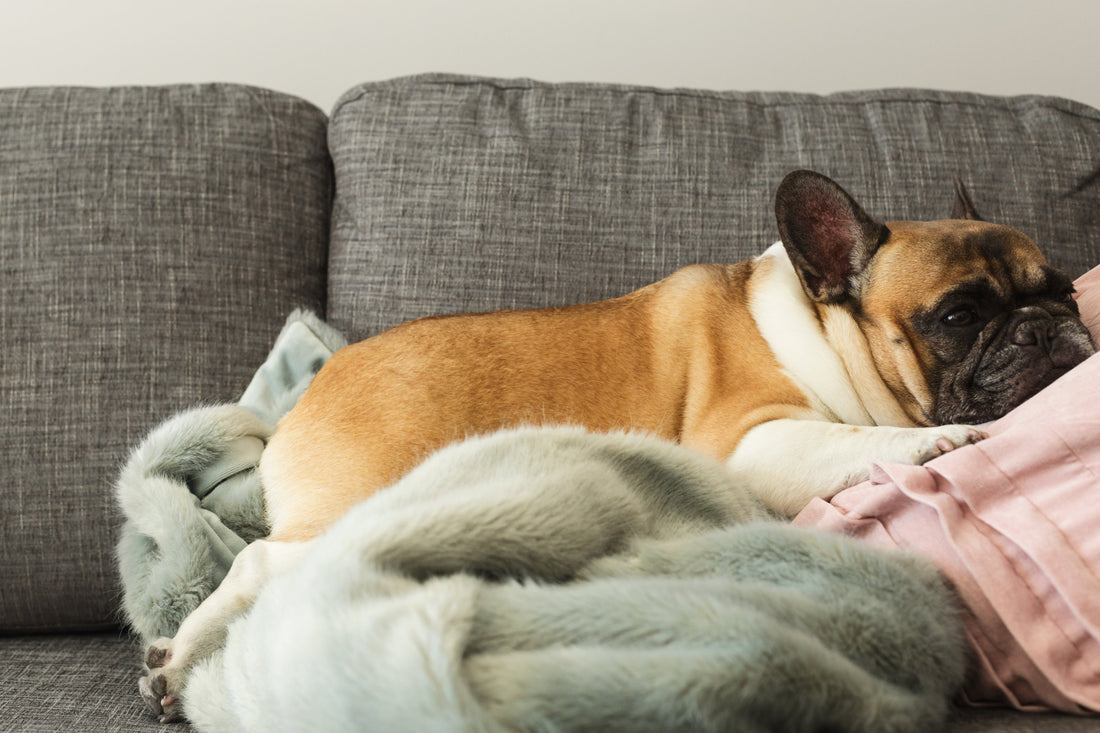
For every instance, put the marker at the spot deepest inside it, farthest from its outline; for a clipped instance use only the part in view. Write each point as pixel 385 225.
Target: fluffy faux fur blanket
pixel 755 628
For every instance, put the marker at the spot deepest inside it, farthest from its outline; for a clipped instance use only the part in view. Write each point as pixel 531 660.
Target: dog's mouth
pixel 998 397
pixel 1016 364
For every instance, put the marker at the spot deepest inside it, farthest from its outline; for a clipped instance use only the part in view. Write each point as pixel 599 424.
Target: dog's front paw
pixel 934 442
pixel 162 682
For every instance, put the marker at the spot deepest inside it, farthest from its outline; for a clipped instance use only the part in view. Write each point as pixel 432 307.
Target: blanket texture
pixel 555 580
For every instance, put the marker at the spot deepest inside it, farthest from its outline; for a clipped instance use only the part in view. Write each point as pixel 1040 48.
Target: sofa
pixel 154 239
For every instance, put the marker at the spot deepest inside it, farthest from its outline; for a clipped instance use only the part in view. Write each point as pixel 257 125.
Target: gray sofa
pixel 153 240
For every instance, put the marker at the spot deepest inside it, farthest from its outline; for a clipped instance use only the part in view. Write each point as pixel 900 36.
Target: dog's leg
pixel 831 456
pixel 168 661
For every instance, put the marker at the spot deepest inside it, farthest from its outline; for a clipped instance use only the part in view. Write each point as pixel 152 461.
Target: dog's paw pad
pixel 946 439
pixel 155 690
pixel 159 687
pixel 157 656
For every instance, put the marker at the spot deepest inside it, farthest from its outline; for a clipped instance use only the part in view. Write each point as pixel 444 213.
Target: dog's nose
pixel 1033 327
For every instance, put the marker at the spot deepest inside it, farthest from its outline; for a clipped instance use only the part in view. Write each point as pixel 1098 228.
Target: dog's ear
pixel 828 236
pixel 963 208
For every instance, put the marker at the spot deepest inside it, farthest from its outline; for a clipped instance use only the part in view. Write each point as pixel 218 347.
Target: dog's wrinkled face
pixel 976 310
pixel 964 319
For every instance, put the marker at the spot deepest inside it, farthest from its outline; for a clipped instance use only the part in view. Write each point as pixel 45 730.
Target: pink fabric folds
pixel 1014 523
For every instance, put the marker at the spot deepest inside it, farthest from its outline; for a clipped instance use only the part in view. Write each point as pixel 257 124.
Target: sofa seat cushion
pixel 468 194
pixel 152 242
pixel 78 682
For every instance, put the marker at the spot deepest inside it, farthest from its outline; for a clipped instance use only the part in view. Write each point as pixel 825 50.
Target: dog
pixel 847 342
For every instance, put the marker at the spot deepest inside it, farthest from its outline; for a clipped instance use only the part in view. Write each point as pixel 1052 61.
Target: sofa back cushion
pixel 152 243
pixel 468 194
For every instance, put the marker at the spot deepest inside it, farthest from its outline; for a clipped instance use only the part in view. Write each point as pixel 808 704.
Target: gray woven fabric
pixel 152 242
pixel 73 683
pixel 466 194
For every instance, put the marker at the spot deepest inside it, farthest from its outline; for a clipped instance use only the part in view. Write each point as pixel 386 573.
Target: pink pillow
pixel 1014 523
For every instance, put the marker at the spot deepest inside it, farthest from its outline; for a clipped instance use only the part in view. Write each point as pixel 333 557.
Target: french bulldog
pixel 849 341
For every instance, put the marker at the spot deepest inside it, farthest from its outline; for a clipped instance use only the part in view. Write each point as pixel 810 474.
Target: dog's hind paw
pixel 161 684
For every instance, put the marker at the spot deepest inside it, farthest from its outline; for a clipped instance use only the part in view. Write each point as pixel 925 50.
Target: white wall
pixel 319 48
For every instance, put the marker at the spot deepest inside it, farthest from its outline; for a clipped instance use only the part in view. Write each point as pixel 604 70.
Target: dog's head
pixel 964 319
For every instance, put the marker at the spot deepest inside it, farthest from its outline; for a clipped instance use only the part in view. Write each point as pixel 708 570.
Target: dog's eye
pixel 960 317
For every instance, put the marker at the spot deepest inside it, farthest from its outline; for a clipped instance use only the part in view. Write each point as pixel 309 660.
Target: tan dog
pixel 762 363
pixel 851 341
